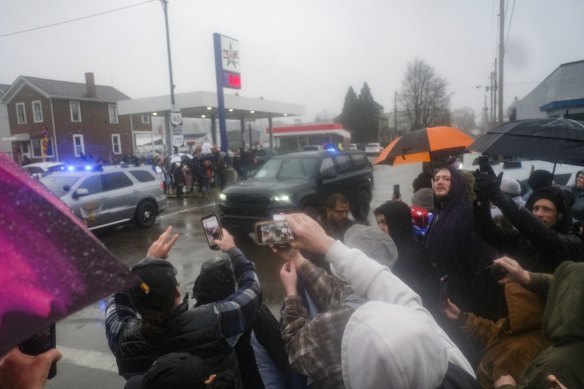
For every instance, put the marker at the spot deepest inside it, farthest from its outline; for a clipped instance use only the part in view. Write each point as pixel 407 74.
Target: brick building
pixel 60 121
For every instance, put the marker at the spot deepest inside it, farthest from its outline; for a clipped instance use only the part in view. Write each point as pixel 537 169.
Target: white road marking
pixel 89 358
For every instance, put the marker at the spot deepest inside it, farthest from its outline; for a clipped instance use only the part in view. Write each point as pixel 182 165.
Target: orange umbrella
pixel 425 145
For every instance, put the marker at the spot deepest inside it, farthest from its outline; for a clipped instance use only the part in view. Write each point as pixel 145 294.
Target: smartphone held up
pixel 40 342
pixel 212 230
pixel 276 232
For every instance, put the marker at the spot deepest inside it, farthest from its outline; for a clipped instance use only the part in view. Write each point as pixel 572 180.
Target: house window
pixel 36 148
pixel 116 144
pixel 146 119
pixel 78 145
pixel 37 111
pixel 20 113
pixel 113 113
pixel 75 109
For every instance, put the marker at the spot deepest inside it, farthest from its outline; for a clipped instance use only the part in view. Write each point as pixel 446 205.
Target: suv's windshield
pixel 279 168
pixel 59 185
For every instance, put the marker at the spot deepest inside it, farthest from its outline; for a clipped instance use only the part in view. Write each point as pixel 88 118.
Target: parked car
pixel 313 148
pixel 41 169
pixel 298 181
pixel 373 149
pixel 110 195
pixel 353 146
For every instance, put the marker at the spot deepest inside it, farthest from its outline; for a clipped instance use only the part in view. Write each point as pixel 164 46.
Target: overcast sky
pixel 304 51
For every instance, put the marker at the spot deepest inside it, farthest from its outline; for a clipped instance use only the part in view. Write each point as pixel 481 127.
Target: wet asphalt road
pixel 87 361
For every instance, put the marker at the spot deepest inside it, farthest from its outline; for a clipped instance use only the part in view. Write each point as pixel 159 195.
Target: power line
pixel 509 27
pixel 74 20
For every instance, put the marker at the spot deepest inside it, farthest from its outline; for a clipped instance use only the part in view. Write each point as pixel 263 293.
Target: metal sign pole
pixel 220 97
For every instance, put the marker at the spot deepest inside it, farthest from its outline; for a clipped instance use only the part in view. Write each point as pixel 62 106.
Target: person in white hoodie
pixel 391 341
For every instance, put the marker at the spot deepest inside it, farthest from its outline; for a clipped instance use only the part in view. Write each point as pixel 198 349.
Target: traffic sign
pixel 178 140
pixel 176 118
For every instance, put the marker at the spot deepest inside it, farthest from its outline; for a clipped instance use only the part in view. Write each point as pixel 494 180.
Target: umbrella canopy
pixel 425 145
pixel 52 265
pixel 552 140
pixel 180 158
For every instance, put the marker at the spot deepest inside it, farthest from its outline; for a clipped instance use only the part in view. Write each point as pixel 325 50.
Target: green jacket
pixel 563 325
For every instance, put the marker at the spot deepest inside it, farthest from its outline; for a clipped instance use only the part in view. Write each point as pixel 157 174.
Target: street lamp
pixel 172 101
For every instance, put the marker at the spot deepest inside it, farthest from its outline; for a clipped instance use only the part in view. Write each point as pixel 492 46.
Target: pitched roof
pixel 4 88
pixel 67 90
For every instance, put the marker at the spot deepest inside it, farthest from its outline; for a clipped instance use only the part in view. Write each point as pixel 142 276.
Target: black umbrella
pixel 552 140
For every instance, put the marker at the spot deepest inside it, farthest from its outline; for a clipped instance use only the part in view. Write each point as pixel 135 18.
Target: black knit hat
pixel 540 179
pixel 551 193
pixel 215 282
pixel 157 290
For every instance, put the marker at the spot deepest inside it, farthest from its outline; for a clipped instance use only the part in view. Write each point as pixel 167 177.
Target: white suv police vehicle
pixel 110 195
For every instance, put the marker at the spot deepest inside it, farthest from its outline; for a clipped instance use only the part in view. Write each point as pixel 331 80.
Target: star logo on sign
pixel 232 56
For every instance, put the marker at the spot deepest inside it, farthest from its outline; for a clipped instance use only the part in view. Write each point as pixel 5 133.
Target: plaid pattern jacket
pixel 314 346
pixel 234 314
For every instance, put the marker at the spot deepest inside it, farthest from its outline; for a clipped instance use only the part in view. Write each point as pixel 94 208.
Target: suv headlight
pixel 222 196
pixel 281 198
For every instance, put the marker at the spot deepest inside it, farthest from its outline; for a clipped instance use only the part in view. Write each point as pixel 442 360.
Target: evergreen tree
pixel 368 117
pixel 349 115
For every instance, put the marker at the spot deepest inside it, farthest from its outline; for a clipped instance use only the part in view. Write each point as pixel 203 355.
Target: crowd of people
pixel 362 307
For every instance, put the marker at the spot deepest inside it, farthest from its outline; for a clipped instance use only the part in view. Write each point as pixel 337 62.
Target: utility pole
pixel 395 113
pixel 501 55
pixel 169 125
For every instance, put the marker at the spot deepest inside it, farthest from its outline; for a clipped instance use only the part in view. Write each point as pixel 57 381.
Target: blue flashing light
pixel 87 168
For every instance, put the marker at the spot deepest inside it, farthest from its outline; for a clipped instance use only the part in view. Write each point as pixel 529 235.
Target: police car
pixel 110 195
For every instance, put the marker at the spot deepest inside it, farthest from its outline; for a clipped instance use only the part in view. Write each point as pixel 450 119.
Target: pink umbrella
pixel 51 265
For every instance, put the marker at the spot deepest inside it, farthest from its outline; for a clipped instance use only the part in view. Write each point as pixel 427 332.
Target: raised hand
pixel 162 246
pixel 289 278
pixel 226 242
pixel 450 310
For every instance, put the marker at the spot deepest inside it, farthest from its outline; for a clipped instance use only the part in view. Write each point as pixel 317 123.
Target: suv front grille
pixel 254 201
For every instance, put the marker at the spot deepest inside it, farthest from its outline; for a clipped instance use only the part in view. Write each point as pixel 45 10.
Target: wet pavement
pixel 87 361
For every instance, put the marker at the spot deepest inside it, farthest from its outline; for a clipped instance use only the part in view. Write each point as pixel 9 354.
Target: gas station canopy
pixel 204 105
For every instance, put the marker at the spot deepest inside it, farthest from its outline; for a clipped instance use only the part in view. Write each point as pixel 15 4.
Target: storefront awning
pixel 17 138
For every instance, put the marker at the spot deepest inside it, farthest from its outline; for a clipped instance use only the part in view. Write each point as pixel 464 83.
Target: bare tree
pixel 424 98
pixel 324 116
pixel 464 119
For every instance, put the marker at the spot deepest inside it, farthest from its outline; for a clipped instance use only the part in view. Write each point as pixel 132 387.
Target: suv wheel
pixel 360 209
pixel 145 214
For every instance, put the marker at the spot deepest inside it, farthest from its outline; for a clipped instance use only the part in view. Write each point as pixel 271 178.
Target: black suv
pixel 298 181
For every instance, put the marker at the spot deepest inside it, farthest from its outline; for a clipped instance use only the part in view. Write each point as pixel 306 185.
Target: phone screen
pixel 40 342
pixel 212 230
pixel 274 232
pixel 443 291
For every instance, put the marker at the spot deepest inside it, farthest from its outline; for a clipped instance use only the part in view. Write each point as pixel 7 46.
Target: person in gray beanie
pixel 512 188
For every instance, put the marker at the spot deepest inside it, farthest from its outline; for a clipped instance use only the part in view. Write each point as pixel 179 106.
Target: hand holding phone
pixel 41 342
pixel 275 232
pixel 497 271
pixel 212 230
